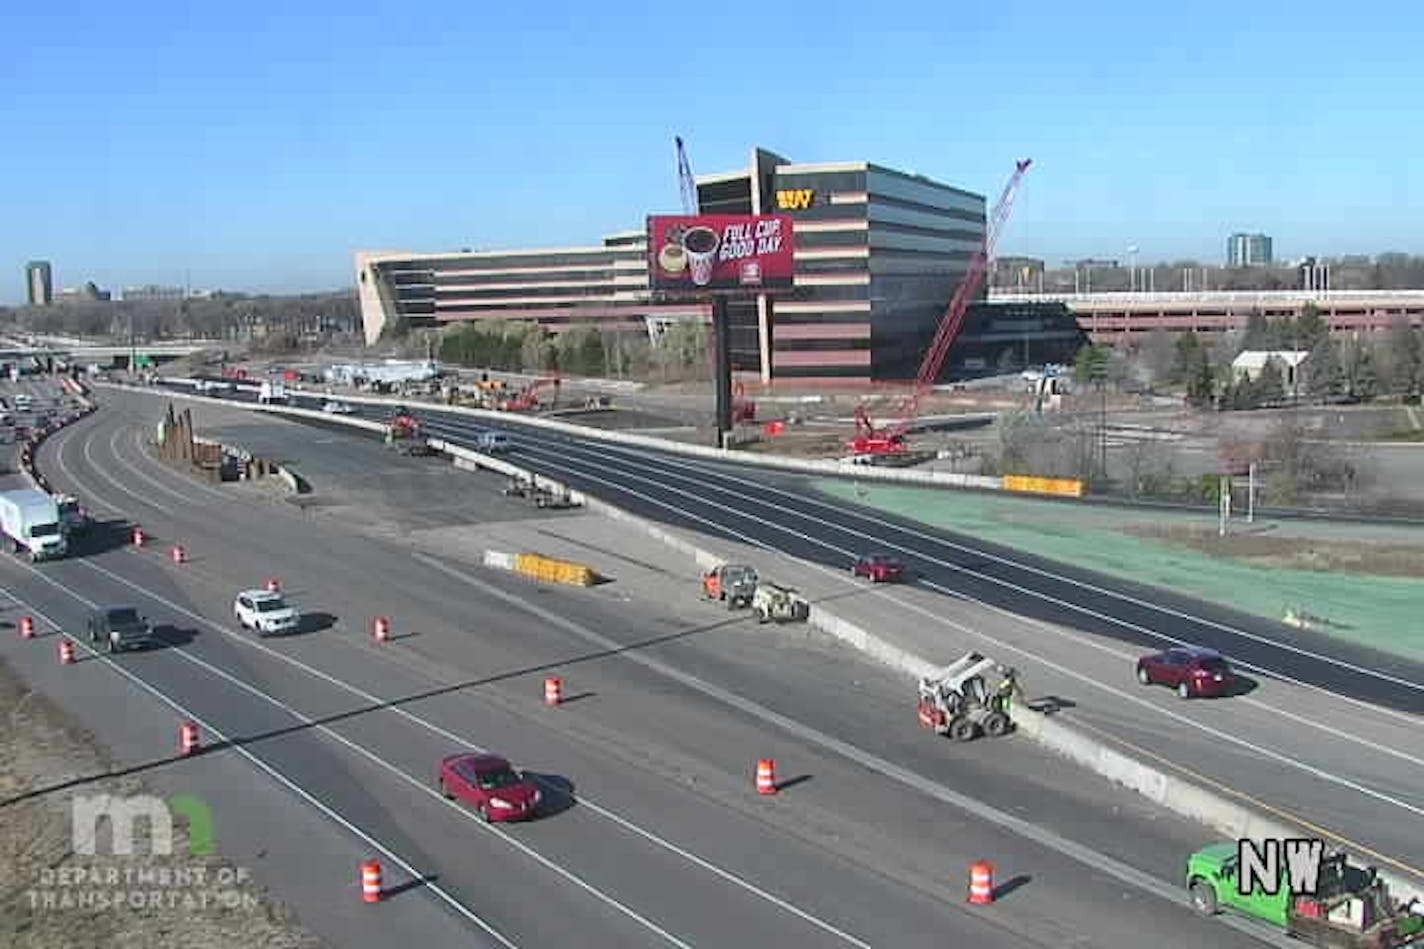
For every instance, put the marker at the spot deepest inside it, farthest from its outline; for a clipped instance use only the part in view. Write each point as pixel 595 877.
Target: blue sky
pixel 254 146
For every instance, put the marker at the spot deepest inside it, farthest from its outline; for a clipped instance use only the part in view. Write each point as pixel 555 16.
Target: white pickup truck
pixel 272 393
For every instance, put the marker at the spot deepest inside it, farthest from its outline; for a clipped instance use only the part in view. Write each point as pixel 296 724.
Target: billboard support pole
pixel 722 340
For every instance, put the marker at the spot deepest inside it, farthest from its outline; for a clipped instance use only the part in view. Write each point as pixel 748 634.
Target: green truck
pixel 1351 908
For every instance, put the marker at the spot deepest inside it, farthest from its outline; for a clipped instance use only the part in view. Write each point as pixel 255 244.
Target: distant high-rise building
pixel 39 281
pixel 1248 250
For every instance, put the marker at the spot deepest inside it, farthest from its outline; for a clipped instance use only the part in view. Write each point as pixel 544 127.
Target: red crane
pixel 890 440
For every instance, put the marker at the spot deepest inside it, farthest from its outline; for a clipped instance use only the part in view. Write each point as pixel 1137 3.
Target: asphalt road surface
pixel 654 836
pixel 1342 752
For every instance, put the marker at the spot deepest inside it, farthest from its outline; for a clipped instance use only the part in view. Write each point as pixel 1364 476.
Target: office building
pixel 1248 250
pixel 39 283
pixel 154 292
pixel 878 254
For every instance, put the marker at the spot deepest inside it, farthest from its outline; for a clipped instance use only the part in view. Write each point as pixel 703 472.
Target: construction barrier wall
pixel 553 571
pixel 1063 487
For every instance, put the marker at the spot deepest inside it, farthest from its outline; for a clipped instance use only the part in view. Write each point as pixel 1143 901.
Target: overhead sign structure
pixel 720 252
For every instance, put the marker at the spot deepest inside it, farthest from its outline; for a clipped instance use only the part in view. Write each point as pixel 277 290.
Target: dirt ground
pixel 1296 553
pixel 54 898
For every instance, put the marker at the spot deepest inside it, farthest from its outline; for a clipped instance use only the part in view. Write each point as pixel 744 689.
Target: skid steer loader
pixel 956 701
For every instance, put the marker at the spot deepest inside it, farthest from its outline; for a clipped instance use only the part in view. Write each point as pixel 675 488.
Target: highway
pixel 1330 737
pixel 657 837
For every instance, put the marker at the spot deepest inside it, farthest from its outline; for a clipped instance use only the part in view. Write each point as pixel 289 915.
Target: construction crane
pixel 743 410
pixel 685 180
pixel 890 440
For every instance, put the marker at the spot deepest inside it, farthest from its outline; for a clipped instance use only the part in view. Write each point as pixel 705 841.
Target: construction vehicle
pixel 868 439
pixel 407 434
pixel 734 584
pixel 528 397
pixel 956 700
pixel 546 497
pixel 781 604
pixel 1351 907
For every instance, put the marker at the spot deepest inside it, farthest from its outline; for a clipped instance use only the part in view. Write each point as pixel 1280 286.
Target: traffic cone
pixel 553 690
pixel 766 776
pixel 27 627
pixel 66 652
pixel 138 537
pixel 371 881
pixel 178 554
pixel 273 585
pixel 381 629
pixel 188 741
pixel 981 882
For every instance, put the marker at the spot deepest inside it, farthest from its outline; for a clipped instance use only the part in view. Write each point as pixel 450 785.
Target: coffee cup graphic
pixel 701 246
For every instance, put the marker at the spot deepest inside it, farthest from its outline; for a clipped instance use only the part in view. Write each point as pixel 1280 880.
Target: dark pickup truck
pixel 119 627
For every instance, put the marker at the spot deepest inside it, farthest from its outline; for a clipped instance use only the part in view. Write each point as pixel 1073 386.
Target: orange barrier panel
pixel 1029 484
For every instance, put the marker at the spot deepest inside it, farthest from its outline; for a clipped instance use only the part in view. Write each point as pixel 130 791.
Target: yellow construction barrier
pixel 1065 487
pixel 551 570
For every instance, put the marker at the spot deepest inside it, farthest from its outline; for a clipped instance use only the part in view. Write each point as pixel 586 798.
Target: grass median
pixel 1358 590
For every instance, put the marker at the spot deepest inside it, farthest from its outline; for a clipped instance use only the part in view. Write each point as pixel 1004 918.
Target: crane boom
pixel 892 440
pixel 685 180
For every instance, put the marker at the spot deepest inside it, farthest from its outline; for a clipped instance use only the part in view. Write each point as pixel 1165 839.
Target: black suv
pixel 119 627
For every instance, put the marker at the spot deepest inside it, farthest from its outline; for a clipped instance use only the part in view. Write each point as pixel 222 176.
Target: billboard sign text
pixel 720 252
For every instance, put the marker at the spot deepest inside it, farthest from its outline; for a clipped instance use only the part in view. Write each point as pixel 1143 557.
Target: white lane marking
pixel 760 488
pixel 1302 766
pixel 1407 717
pixel 384 705
pixel 92 498
pixel 125 463
pixel 276 775
pixel 1027 830
pixel 1129 657
pixel 144 458
pixel 417 783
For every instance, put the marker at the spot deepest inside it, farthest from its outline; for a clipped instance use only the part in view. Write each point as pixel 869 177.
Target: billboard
pixel 725 252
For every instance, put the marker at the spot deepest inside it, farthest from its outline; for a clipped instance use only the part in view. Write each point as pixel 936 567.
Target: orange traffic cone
pixel 273 585
pixel 371 881
pixel 766 776
pixel 138 537
pixel 981 882
pixel 66 651
pixel 27 627
pixel 381 628
pixel 178 554
pixel 553 690
pixel 188 741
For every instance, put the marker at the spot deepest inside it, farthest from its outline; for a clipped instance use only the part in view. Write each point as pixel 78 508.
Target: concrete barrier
pixel 1215 810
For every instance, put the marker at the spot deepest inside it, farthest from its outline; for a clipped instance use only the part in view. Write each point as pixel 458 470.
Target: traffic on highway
pixel 373 720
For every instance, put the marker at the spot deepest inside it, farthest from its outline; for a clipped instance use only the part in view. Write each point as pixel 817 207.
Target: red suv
pixel 879 568
pixel 496 790
pixel 1191 670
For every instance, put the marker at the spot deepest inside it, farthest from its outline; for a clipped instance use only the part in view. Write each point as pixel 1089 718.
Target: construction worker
pixel 1007 690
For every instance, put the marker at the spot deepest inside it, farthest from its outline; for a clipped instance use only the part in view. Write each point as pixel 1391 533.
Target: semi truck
pixel 1351 907
pixel 31 522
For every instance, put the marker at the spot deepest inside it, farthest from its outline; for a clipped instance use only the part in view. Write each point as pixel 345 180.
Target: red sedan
pixel 1190 670
pixel 496 790
pixel 879 568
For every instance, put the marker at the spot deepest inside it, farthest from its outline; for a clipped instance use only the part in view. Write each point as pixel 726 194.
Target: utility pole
pixel 1251 494
pixel 1225 506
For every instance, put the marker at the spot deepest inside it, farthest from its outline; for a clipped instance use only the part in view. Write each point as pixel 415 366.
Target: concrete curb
pixel 1176 794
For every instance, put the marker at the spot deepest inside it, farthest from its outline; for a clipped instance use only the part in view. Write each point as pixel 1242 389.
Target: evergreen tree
pixel 1270 383
pixel 1310 328
pixel 1258 332
pixel 1406 346
pixel 1322 370
pixel 1201 383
